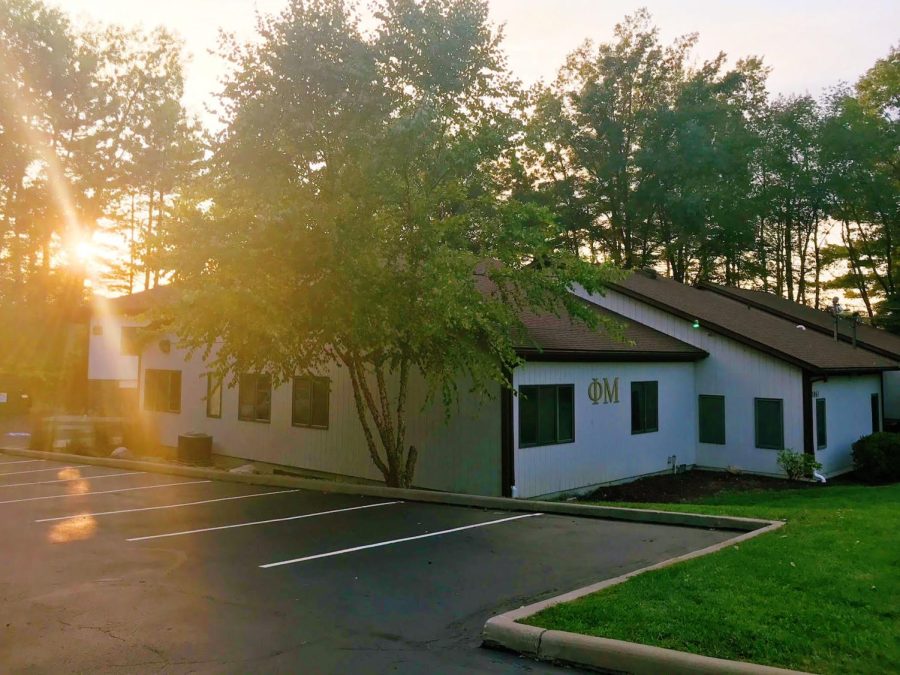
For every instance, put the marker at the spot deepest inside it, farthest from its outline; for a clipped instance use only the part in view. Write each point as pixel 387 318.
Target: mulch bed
pixel 692 486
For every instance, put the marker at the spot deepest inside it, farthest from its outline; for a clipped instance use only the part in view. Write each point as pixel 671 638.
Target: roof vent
pixel 801 326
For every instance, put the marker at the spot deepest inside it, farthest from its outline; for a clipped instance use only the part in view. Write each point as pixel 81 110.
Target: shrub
pixel 876 457
pixel 797 465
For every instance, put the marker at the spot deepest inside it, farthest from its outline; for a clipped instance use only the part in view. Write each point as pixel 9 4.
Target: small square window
pixel 546 414
pixel 162 390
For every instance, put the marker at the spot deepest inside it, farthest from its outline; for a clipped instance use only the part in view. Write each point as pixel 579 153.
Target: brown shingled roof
pixel 875 339
pixel 552 338
pixel 757 328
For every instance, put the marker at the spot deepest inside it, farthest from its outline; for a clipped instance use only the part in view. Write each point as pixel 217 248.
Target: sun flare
pixel 85 251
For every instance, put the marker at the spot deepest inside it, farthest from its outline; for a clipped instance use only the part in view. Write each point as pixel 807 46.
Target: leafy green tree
pixel 793 192
pixel 645 159
pixel 860 152
pixel 361 216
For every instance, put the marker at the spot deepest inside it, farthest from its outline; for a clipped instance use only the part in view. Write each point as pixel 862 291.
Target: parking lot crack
pixel 106 631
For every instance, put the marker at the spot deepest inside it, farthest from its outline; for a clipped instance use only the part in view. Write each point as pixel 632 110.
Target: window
pixel 712 419
pixel 769 414
pixel 876 413
pixel 644 407
pixel 546 414
pixel 821 424
pixel 310 402
pixel 255 397
pixel 128 344
pixel 162 390
pixel 213 395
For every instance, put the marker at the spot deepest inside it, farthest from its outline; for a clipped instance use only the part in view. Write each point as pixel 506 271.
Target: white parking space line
pixel 69 480
pixel 397 541
pixel 262 522
pixel 24 461
pixel 55 468
pixel 104 492
pixel 167 506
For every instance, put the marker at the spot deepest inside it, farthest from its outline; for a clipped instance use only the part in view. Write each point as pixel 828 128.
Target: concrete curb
pixel 413 495
pixel 618 656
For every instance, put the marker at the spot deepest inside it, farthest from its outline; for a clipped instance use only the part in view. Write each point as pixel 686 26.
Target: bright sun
pixel 85 251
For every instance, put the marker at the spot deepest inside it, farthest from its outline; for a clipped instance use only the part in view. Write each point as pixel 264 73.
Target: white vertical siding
pixel 105 358
pixel 605 450
pixel 462 454
pixel 848 417
pixel 737 372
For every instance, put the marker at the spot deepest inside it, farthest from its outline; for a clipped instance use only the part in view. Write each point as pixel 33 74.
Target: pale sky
pixel 809 44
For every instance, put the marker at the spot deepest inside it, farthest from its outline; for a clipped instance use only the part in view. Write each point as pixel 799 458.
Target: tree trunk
pixel 383 421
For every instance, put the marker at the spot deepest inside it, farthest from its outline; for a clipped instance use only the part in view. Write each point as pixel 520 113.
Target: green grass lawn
pixel 820 594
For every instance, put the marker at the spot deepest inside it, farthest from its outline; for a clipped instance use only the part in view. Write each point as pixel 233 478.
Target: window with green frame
pixel 546 414
pixel 644 407
pixel 769 423
pixel 162 390
pixel 310 402
pixel 712 419
pixel 255 397
pixel 821 424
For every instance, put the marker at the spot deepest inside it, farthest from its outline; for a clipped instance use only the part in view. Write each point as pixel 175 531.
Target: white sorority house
pixel 708 377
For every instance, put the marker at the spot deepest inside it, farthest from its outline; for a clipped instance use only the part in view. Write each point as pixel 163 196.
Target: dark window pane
pixel 213 395
pixel 821 424
pixel 769 423
pixel 712 419
pixel 528 417
pixel 546 415
pixel 247 397
pixel 637 408
pixel 174 399
pixel 302 401
pixel 651 419
pixel 263 397
pixel 876 413
pixel 566 413
pixel 321 393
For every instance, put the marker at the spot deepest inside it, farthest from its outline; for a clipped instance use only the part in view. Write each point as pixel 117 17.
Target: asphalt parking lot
pixel 106 570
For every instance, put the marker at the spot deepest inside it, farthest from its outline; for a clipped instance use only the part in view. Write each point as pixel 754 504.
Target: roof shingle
pixel 877 339
pixel 760 329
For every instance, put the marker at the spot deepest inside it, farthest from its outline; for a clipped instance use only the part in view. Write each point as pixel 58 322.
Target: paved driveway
pixel 106 570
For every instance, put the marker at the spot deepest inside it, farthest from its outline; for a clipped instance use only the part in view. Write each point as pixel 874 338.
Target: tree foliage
pixel 361 218
pixel 87 117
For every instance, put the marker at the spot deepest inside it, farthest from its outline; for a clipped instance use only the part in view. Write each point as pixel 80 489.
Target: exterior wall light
pixel 696 323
